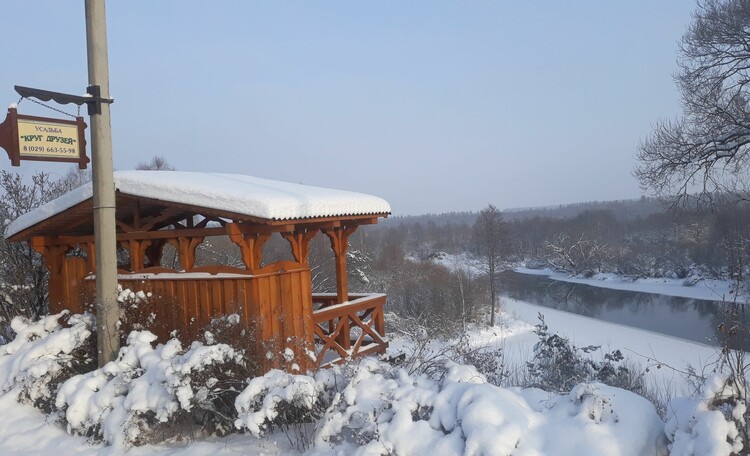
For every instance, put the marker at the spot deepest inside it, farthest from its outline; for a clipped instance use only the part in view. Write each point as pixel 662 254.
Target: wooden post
pixel 339 238
pixel 54 256
pixel 90 250
pixel 154 251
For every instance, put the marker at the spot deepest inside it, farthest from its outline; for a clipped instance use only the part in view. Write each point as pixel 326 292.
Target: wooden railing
pixel 349 330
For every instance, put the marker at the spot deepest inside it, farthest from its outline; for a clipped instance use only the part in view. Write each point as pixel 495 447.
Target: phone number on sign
pixel 50 150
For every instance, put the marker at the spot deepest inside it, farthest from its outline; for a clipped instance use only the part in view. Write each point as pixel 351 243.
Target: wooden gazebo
pixel 275 301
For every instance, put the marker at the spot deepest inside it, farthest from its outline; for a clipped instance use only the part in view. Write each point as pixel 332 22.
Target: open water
pixel 698 320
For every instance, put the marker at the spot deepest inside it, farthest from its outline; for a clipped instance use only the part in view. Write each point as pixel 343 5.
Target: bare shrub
pixel 23 274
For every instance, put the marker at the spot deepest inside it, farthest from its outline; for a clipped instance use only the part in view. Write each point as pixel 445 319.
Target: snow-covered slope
pixel 394 411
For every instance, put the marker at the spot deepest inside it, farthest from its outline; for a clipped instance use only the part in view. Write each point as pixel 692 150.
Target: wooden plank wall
pixel 274 302
pixel 66 289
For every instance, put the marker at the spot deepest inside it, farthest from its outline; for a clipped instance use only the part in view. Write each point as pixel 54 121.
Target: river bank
pixel 705 289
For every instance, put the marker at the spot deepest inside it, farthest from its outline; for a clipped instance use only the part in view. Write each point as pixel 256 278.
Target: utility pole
pixel 107 314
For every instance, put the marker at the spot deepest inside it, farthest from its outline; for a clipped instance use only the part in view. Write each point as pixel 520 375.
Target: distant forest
pixel 636 238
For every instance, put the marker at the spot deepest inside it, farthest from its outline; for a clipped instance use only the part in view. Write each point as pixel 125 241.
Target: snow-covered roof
pixel 233 193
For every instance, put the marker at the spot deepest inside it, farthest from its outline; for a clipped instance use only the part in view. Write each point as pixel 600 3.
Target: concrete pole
pixel 107 314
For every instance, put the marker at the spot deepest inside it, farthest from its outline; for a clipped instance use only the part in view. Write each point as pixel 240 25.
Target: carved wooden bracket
pixel 299 240
pixel 53 254
pixel 186 250
pixel 250 244
pixel 339 238
pixel 137 249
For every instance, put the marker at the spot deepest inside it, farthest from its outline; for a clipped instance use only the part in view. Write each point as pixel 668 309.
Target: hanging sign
pixel 43 139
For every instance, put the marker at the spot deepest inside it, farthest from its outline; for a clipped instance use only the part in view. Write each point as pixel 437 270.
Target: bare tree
pixel 707 150
pixel 23 274
pixel 158 163
pixel 75 178
pixel 489 232
pixel 578 256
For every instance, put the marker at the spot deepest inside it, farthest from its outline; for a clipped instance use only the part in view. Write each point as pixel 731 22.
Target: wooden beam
pixel 137 250
pixel 140 235
pixel 124 226
pixel 137 215
pixel 149 223
pixel 244 228
pixel 339 238
pixel 54 258
pixel 250 228
pixel 198 209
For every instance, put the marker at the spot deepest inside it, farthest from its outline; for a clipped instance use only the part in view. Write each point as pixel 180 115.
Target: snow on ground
pixel 461 414
pixel 709 289
pixel 462 261
pixel 25 431
pixel 638 344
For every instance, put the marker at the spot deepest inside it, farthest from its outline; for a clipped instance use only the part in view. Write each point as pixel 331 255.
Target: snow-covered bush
pixel 372 404
pixel 558 365
pixel 714 423
pixel 12 304
pixel 135 313
pixel 488 361
pixel 381 409
pixel 148 392
pixel 366 407
pixel 44 354
pixel 280 400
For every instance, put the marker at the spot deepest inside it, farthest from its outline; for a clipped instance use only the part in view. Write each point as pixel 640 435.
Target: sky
pixel 435 106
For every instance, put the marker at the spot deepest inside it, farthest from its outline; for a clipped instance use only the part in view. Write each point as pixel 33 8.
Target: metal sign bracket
pixel 93 99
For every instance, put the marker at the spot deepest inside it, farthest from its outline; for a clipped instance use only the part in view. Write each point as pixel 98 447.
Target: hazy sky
pixel 436 106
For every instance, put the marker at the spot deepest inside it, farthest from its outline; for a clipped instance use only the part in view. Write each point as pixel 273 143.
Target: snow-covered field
pixel 458 415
